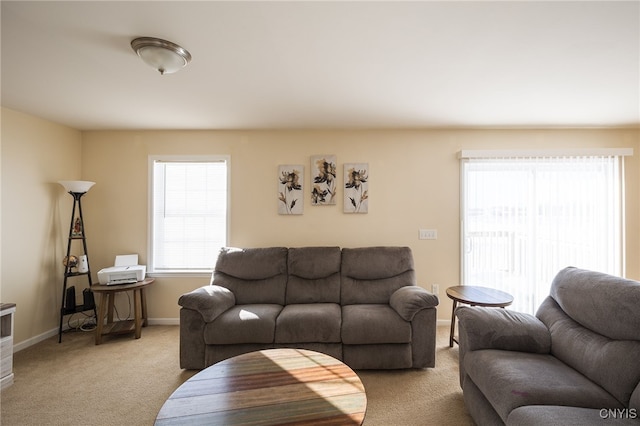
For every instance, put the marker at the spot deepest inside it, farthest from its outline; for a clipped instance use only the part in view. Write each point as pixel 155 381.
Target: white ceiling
pixel 326 64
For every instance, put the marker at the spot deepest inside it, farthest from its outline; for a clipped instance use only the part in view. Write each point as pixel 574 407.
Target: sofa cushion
pixel 371 323
pixel 373 274
pixel 613 364
pixel 314 275
pixel 509 380
pixel 254 275
pixel 603 303
pixel 309 322
pixel 254 323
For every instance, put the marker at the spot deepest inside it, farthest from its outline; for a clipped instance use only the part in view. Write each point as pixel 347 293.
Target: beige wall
pixel 35 211
pixel 414 184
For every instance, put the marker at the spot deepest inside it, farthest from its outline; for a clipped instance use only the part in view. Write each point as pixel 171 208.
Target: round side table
pixel 107 306
pixel 475 296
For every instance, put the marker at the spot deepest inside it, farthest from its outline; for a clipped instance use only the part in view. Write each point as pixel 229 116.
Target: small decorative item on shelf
pixel 83 265
pixel 70 262
pixel 77 228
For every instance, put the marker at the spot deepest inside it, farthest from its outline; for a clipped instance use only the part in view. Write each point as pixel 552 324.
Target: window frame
pixel 152 160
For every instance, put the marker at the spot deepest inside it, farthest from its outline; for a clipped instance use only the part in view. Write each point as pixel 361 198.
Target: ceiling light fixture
pixel 162 55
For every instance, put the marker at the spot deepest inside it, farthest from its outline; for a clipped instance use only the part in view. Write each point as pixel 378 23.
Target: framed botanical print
pixel 356 188
pixel 324 185
pixel 290 189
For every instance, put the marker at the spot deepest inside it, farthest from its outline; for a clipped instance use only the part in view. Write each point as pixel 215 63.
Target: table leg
pixel 112 297
pixel 100 319
pixel 453 323
pixel 143 297
pixel 137 312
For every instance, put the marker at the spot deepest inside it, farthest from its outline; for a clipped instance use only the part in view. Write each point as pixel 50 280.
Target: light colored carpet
pixel 125 381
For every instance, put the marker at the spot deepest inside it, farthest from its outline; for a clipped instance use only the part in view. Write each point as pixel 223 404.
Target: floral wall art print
pixel 323 174
pixel 356 188
pixel 290 189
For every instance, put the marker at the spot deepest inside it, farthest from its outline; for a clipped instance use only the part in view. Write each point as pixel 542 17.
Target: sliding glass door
pixel 525 218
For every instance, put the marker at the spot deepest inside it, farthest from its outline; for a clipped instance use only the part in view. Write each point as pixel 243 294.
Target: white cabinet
pixel 7 311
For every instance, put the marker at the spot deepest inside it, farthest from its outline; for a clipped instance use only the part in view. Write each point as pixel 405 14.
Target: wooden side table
pixel 108 293
pixel 475 296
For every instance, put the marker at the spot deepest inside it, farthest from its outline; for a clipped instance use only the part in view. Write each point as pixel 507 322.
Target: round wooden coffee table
pixel 274 386
pixel 475 296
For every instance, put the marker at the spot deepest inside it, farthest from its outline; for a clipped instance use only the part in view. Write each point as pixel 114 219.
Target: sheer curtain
pixel 526 217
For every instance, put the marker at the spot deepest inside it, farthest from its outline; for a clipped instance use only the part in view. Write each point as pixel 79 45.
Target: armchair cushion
pixel 408 300
pixel 602 303
pixel 511 379
pixel 535 415
pixel 487 328
pixel 613 364
pixel 210 301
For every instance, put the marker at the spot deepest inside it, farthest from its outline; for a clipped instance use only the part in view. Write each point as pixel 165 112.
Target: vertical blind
pixel 189 214
pixel 525 218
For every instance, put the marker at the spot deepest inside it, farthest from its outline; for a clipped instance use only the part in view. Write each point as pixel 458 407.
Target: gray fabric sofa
pixel 360 305
pixel 576 362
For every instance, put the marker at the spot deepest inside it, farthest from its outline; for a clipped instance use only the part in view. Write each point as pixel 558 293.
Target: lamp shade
pixel 78 186
pixel 162 55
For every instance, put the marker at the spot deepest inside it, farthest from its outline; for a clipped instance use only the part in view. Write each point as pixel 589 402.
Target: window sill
pixel 179 274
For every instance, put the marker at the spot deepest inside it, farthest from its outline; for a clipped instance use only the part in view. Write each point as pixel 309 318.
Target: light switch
pixel 428 234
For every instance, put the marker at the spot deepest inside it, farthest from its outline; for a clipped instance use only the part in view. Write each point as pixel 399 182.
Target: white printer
pixel 125 271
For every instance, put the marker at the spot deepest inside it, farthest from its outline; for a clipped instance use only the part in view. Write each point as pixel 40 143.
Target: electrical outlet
pixel 435 289
pixel 428 234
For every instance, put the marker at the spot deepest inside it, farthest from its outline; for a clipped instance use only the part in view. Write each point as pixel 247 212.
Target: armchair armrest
pixel 210 301
pixel 489 328
pixel 408 300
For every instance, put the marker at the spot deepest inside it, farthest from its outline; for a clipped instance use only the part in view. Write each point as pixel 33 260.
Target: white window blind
pixel 525 218
pixel 189 213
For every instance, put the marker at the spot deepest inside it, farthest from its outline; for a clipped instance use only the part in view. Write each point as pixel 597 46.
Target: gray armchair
pixel 576 362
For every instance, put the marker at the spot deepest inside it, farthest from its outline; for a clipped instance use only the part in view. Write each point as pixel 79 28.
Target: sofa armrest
pixel 408 300
pixel 210 301
pixel 491 328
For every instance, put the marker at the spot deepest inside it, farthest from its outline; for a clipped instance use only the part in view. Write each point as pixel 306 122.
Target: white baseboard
pixel 35 339
pixel 163 321
pixel 443 322
pixel 54 332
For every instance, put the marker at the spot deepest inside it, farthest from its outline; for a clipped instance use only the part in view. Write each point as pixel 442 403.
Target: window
pixel 189 212
pixel 526 217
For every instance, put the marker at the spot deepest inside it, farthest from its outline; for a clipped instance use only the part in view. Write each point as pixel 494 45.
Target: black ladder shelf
pixel 76 232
